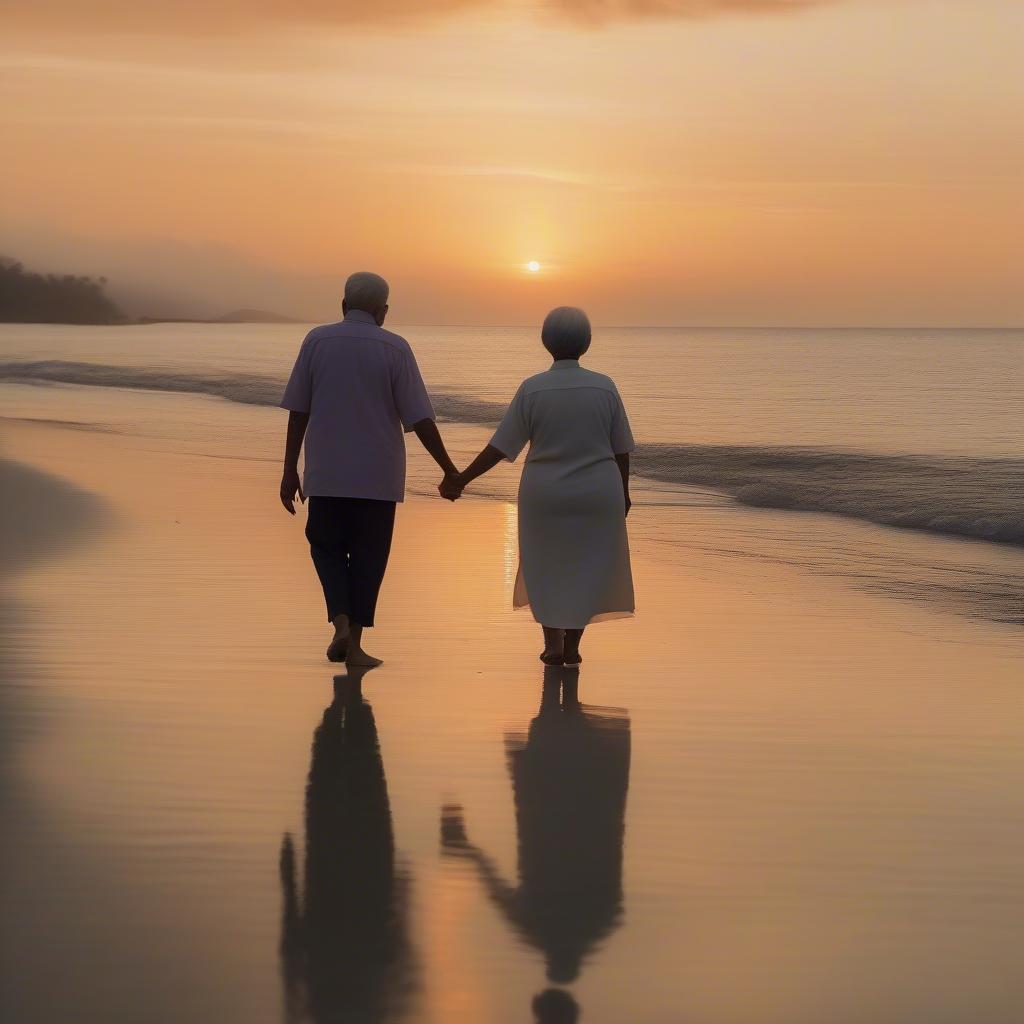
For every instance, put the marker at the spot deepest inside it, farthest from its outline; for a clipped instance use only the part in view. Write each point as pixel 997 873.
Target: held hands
pixel 451 486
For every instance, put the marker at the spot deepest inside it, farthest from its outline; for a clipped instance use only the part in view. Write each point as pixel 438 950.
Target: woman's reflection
pixel 345 947
pixel 569 775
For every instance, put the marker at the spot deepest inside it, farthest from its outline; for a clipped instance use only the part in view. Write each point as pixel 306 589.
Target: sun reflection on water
pixel 511 551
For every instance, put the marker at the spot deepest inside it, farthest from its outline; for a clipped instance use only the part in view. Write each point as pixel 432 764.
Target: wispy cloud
pixel 503 174
pixel 200 17
pixel 599 11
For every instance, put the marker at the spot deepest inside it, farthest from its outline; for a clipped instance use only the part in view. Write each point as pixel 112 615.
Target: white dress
pixel 573 551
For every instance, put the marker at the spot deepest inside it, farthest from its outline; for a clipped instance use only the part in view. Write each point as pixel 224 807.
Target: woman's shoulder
pixel 546 380
pixel 538 382
pixel 599 380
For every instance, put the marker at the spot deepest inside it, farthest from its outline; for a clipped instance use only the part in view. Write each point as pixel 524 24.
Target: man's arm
pixel 290 485
pixel 430 437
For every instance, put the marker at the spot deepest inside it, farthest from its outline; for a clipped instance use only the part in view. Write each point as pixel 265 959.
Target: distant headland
pixel 236 316
pixel 29 297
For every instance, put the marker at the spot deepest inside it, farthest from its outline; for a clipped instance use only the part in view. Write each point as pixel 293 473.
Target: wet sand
pixel 805 803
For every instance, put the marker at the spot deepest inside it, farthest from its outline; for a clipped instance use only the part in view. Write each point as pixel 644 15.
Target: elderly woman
pixel 574 494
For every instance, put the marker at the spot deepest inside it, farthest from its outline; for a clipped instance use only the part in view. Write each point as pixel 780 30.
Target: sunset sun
pixel 533 266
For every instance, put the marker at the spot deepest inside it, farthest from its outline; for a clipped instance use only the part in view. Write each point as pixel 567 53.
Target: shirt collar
pixel 561 363
pixel 359 316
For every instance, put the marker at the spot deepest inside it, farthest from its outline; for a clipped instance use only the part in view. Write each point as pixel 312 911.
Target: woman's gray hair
pixel 566 332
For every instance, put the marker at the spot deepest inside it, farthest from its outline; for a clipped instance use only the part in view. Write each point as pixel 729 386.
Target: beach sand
pixel 823 818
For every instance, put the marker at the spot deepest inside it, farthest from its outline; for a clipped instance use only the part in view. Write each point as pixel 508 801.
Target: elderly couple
pixel 356 386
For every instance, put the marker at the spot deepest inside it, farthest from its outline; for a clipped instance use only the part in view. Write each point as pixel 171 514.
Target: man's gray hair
pixel 566 332
pixel 366 291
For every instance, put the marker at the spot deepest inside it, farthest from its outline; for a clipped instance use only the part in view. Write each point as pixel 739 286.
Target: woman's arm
pixel 623 464
pixel 483 463
pixel 512 435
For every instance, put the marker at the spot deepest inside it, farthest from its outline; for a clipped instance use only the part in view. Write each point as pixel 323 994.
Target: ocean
pixel 891 458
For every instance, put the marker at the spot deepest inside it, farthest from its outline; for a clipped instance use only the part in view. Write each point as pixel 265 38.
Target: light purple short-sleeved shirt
pixel 361 386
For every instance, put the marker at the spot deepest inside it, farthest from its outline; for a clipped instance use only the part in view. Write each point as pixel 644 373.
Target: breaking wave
pixel 957 495
pixel 245 388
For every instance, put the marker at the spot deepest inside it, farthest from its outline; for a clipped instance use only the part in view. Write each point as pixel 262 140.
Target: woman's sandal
pixel 575 663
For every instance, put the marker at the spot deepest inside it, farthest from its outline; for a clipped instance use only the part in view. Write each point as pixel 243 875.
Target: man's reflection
pixel 345 947
pixel 570 775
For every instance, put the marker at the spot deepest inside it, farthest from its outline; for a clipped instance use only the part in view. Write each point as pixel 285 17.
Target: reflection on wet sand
pixel 345 948
pixel 41 517
pixel 570 776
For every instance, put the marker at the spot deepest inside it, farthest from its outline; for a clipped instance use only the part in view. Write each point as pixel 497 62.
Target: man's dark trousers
pixel 350 540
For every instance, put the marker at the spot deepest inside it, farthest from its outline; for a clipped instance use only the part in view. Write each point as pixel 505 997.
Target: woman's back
pixel 572 418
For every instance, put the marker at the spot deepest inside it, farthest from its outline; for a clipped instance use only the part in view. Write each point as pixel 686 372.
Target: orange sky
pixel 666 161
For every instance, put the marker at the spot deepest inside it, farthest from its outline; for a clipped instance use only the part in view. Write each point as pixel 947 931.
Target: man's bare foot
pixel 338 649
pixel 358 658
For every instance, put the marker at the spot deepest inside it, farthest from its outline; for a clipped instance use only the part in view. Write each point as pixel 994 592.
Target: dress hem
pixel 599 617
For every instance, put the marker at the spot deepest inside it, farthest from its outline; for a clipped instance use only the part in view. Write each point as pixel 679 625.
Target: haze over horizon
pixel 733 162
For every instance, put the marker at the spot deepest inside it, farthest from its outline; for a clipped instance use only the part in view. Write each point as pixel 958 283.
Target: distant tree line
pixel 30 298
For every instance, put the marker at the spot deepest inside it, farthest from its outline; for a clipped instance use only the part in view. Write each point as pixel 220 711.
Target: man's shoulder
pixel 357 329
pixel 323 331
pixel 394 340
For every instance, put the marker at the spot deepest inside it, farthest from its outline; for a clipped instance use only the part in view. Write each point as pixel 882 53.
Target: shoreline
pixel 929 569
pixel 64 471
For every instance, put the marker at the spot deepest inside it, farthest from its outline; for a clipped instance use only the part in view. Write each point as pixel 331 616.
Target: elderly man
pixel 354 388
